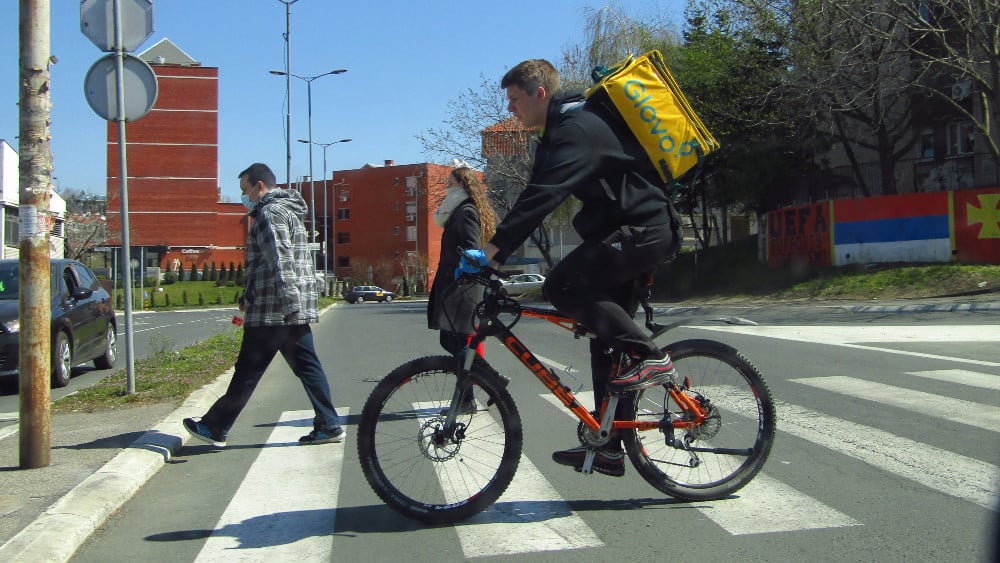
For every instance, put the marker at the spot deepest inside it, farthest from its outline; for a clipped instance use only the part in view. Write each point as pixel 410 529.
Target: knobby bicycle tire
pixel 437 482
pixel 730 449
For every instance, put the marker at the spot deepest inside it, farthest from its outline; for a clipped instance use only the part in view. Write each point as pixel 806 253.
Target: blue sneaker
pixel 324 437
pixel 202 432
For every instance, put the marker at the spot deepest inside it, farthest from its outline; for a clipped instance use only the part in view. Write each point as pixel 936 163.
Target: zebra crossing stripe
pixel 846 336
pixel 764 506
pixel 943 471
pixel 530 510
pixel 961 377
pixel 263 515
pixel 955 410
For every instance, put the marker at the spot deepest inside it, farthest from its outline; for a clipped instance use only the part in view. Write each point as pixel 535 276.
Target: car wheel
pixel 107 359
pixel 62 360
pixel 359 300
pixel 388 299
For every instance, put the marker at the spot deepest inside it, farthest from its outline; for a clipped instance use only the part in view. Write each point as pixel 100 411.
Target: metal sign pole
pixel 123 183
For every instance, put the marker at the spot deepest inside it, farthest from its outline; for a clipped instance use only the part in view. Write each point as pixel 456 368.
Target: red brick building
pixel 175 213
pixel 379 220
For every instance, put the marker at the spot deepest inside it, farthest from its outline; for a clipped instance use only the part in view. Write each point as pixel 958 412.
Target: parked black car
pixel 83 320
pixel 362 293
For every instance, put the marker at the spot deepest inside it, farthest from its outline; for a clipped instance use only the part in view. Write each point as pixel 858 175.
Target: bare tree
pixel 481 132
pixel 954 43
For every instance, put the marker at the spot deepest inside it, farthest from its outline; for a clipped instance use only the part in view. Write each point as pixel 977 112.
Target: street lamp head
pixel 344 141
pixel 278 72
pixel 338 71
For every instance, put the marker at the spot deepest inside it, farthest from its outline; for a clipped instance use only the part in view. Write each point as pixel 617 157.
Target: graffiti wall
pixel 963 226
pixel 799 234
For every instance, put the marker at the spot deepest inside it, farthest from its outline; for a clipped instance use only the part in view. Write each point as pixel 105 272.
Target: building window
pixel 411 212
pixel 960 135
pixel 411 185
pixel 343 261
pixel 343 214
pixel 395 206
pixel 345 195
pixel 395 231
pixel 10 227
pixel 411 234
pixel 343 238
pixel 58 227
pixel 927 143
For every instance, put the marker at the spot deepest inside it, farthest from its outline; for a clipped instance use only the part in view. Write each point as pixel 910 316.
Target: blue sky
pixel 405 61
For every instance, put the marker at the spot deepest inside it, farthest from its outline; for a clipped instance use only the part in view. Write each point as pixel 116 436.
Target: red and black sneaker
pixel 647 373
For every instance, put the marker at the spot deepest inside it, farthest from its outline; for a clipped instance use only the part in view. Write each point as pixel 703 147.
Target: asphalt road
pixel 887 451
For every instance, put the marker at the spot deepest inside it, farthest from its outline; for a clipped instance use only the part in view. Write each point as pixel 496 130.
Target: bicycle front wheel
pixel 722 454
pixel 423 469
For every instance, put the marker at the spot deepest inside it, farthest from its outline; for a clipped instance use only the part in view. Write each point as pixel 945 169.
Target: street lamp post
pixel 288 90
pixel 312 184
pixel 326 221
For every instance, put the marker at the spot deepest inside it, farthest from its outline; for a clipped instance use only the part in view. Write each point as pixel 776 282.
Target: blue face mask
pixel 246 201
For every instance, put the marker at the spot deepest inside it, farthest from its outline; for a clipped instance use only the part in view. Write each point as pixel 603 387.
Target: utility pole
pixel 35 178
pixel 288 91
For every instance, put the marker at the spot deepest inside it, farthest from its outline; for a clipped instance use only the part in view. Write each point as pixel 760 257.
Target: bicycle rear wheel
pixel 414 465
pixel 724 453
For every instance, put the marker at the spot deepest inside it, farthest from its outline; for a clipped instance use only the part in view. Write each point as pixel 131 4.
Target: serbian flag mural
pixel 961 226
pixel 976 226
pixel 901 228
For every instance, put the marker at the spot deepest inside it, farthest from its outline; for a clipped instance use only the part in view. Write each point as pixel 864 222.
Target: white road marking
pixel 530 510
pixel 764 506
pixel 529 517
pixel 285 508
pixel 943 471
pixel 961 377
pixel 847 336
pixel 928 404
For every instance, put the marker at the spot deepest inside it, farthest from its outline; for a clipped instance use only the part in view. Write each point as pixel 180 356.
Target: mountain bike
pixel 429 456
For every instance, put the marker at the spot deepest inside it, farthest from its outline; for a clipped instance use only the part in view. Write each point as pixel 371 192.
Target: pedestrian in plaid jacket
pixel 279 303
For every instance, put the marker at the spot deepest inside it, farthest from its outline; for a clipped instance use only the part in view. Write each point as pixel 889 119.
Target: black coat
pixel 451 305
pixel 582 154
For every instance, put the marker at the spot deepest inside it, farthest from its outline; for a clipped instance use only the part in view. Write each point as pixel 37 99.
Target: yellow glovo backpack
pixel 641 90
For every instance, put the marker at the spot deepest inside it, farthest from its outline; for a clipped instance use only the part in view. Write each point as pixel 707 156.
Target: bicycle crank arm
pixel 588 462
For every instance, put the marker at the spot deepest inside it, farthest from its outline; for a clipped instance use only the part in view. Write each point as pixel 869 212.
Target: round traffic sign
pixel 139 80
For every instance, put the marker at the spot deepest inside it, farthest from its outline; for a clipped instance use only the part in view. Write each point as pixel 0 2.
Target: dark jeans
pixel 593 284
pixel 258 348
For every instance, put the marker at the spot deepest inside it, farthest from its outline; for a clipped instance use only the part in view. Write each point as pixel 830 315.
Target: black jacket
pixel 580 153
pixel 450 306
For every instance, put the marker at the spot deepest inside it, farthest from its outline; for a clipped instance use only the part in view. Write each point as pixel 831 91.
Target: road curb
pixel 59 531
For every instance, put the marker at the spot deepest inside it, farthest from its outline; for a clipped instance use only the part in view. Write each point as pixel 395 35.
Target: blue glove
pixel 472 262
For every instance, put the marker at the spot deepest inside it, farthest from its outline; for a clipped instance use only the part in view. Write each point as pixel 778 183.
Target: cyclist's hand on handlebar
pixel 472 262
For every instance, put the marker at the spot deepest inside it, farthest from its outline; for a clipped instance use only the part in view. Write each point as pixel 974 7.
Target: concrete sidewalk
pixel 99 460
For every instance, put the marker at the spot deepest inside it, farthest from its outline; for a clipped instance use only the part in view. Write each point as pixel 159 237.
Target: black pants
pixel 259 346
pixel 593 283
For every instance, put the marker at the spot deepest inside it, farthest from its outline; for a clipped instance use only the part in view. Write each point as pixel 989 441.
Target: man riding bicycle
pixel 626 223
